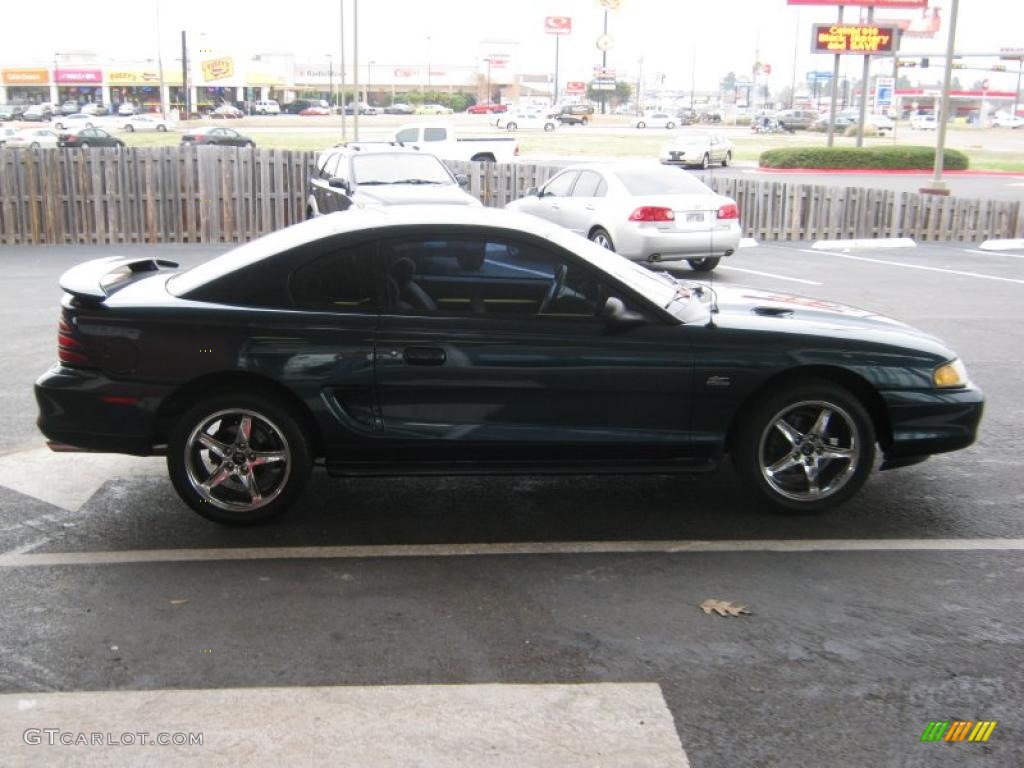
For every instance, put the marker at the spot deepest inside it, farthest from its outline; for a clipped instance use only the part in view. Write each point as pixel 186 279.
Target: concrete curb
pixel 1010 244
pixel 877 242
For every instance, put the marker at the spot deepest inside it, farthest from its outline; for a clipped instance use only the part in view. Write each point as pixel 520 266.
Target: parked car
pixel 216 136
pixel 6 133
pixel 424 339
pixel 433 109
pixel 924 122
pixel 227 112
pixel 368 175
pixel 294 107
pixel 883 124
pixel 399 109
pixel 69 108
pixel 94 109
pixel 656 120
pixel 697 149
pixel 572 114
pixel 797 119
pixel 266 107
pixel 32 138
pixel 1008 121
pixel 486 108
pixel 442 140
pixel 89 137
pixel 315 111
pixel 80 120
pixel 642 211
pixel 11 111
pixel 39 112
pixel 145 123
pixel 364 109
pixel 126 109
pixel 517 121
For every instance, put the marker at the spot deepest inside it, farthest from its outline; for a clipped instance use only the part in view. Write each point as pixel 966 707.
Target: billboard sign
pixel 76 76
pixel 558 25
pixel 218 69
pixel 863 39
pixel 24 76
pixel 884 88
pixel 575 87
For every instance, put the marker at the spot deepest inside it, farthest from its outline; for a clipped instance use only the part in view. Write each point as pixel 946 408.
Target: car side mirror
pixel 463 179
pixel 337 182
pixel 533 192
pixel 615 314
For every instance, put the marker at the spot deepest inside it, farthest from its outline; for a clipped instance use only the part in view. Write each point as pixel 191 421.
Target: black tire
pixel 584 120
pixel 548 127
pixel 705 264
pixel 727 159
pixel 160 128
pixel 670 125
pixel 84 145
pixel 130 128
pixel 705 162
pixel 59 126
pixel 276 429
pixel 482 159
pixel 34 145
pixel 249 145
pixel 600 236
pixel 641 124
pixel 511 126
pixel 759 440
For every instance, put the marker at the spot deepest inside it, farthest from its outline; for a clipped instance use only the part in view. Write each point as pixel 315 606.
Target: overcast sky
pixel 723 33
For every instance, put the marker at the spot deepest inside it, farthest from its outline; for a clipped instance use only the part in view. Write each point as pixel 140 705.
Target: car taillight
pixel 729 211
pixel 652 213
pixel 69 348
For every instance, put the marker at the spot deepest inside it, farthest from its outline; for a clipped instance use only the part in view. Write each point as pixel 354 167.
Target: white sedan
pixel 697 149
pixel 656 120
pixel 643 211
pixel 1008 121
pixel 924 123
pixel 147 123
pixel 32 138
pixel 77 120
pixel 515 121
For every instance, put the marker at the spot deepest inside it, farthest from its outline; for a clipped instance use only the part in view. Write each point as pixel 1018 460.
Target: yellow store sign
pixel 218 69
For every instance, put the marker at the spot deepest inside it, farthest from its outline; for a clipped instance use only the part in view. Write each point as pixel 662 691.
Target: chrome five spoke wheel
pixel 237 460
pixel 809 450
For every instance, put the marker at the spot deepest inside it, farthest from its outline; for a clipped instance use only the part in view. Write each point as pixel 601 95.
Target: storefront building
pixel 24 85
pixel 81 84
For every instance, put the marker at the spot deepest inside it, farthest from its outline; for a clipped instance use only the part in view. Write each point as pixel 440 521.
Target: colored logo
pixel 959 730
pixel 218 69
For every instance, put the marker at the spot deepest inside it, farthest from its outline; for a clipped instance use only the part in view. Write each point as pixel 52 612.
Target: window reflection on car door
pixel 580 210
pixel 498 341
pixel 554 194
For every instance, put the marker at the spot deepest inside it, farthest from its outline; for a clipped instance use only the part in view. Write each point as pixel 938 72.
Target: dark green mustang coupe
pixel 444 340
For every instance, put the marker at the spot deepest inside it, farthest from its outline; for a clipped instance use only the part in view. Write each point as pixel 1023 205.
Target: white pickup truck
pixel 440 139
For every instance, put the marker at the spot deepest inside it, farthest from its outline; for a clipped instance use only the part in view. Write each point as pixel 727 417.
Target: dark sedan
pixel 88 137
pixel 210 136
pixel 444 339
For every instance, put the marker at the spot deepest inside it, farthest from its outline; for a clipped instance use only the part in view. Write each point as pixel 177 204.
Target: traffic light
pixel 924 63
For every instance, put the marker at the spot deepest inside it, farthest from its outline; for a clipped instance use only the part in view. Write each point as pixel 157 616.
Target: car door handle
pixel 424 356
pixel 589 207
pixel 556 206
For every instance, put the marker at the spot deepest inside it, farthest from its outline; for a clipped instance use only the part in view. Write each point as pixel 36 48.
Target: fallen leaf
pixel 180 601
pixel 723 608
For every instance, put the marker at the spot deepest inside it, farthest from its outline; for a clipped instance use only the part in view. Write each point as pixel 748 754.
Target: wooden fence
pixel 215 194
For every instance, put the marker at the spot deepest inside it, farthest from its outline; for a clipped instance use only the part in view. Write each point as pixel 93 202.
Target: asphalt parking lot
pixel 866 623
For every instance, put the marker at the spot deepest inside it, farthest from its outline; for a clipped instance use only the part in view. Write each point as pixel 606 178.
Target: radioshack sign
pixel 864 39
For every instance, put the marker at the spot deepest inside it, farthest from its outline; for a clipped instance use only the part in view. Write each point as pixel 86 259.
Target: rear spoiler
pixel 97 279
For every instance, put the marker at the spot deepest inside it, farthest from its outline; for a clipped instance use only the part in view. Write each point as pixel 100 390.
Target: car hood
pixel 754 309
pixel 413 194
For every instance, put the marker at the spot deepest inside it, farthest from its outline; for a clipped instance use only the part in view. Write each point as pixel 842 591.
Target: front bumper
pixel 683 156
pixel 934 421
pixel 648 242
pixel 89 411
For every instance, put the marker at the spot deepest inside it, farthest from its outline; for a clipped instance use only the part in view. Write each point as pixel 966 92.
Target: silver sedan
pixel 643 211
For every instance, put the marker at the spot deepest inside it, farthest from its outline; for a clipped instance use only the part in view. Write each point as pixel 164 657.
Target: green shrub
pixel 885 158
pixel 869 130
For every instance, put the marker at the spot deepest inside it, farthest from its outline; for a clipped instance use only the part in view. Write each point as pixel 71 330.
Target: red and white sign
pixel 558 25
pixel 497 60
pixel 75 76
pixel 575 87
pixel 873 3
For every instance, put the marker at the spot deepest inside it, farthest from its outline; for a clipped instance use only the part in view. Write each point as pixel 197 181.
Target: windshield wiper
pixel 416 181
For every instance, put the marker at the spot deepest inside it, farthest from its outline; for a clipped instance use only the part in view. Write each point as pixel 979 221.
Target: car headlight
pixel 952 374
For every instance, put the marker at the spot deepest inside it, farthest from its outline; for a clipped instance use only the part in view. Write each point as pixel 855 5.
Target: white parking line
pixel 995 253
pixel 487 725
pixel 671 547
pixel 770 274
pixel 914 266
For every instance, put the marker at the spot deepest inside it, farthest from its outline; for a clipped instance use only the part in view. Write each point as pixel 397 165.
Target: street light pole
pixel 488 100
pixel 341 85
pixel 864 80
pixel 834 93
pixel 938 186
pixel 428 62
pixel 355 67
pixel 604 62
pixel 330 79
pixel 160 63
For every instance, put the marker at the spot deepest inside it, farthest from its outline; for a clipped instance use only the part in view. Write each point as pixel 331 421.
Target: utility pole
pixel 355 67
pixel 160 63
pixel 796 43
pixel 938 186
pixel 693 75
pixel 604 62
pixel 554 92
pixel 184 76
pixel 835 92
pixel 864 83
pixel 341 85
pixel 640 88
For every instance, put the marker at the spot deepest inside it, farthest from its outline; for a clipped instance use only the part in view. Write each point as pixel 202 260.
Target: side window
pixel 409 134
pixel 587 185
pixel 325 162
pixel 602 189
pixel 339 281
pixel 561 184
pixel 490 277
pixel 435 134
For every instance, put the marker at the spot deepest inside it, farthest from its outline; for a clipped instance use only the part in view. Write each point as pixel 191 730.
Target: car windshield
pixel 660 180
pixel 387 168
